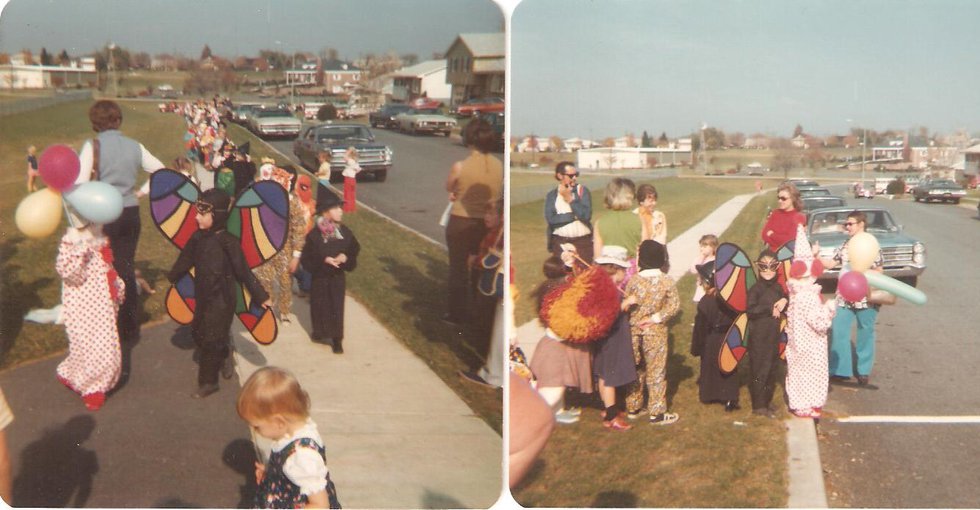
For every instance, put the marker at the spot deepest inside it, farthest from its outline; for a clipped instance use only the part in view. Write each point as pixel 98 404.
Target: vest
pixel 120 160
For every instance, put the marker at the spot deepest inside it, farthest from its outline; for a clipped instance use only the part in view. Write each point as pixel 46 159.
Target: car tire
pixel 446 134
pixel 335 177
pixel 956 201
pixel 380 175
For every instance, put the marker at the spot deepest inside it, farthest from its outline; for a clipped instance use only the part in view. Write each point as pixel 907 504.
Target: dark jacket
pixel 317 249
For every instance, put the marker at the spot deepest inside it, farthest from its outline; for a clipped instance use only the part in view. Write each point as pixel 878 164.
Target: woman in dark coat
pixel 710 325
pixel 329 253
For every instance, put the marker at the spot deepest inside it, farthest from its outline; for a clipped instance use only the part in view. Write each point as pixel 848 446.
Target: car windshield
pixel 397 108
pixel 878 221
pixel 343 133
pixel 272 113
pixel 822 202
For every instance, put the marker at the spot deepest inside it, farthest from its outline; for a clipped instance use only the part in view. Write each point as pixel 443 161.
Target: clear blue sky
pixel 242 27
pixel 603 68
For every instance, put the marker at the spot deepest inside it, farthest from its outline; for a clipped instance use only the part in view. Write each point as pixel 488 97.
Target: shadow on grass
pixel 426 293
pixel 614 499
pixel 17 297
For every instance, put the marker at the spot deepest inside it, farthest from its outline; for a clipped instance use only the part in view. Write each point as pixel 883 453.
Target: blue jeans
pixel 304 278
pixel 840 341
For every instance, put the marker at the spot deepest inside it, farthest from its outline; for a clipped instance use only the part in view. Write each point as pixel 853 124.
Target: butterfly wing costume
pixel 257 220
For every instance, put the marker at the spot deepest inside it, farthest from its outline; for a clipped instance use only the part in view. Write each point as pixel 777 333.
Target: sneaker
pixel 205 390
pixel 337 346
pixel 634 414
pixel 473 377
pixel 862 380
pixel 732 405
pixel 566 418
pixel 664 419
pixel 575 411
pixel 765 412
pixel 806 413
pixel 228 367
pixel 617 423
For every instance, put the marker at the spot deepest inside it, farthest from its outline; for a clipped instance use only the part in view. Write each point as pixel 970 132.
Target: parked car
pixel 862 191
pixel 802 184
pixel 814 202
pixel 385 116
pixel 274 122
pixel 375 158
pixel 424 121
pixel 941 190
pixel 904 256
pixel 477 106
pixel 311 109
pixel 815 192
pixel 241 111
pixel 424 103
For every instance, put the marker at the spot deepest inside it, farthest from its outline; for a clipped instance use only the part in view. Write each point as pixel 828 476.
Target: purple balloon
pixel 59 167
pixel 853 286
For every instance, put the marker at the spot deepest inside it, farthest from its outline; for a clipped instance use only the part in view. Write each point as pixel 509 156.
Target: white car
pixel 424 121
pixel 274 122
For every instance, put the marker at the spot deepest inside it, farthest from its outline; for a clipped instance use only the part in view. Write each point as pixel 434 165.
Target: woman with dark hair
pixel 473 184
pixel 781 225
pixel 115 159
pixel 654 221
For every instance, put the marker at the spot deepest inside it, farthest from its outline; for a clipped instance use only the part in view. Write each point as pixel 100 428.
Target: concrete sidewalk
pixel 806 487
pixel 396 435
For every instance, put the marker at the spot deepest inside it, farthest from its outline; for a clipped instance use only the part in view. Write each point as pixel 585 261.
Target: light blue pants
pixel 840 341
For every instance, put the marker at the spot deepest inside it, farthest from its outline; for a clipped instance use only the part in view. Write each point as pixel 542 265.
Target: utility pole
pixel 112 71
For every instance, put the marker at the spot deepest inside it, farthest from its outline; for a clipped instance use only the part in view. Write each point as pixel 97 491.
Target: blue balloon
pixel 96 201
pixel 902 290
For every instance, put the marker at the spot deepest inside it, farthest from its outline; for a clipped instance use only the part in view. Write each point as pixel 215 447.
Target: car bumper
pixel 894 272
pixel 278 131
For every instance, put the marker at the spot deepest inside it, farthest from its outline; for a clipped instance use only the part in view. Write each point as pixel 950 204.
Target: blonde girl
pixel 351 169
pixel 296 474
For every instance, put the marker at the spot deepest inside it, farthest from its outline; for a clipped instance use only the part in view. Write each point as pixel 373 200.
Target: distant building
pixel 476 65
pixel 615 158
pixel 306 74
pixel 340 77
pixel 917 151
pixel 970 158
pixel 79 73
pixel 423 79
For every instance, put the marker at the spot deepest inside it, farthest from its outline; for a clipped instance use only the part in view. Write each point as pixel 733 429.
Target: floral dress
pixel 91 295
pixel 276 489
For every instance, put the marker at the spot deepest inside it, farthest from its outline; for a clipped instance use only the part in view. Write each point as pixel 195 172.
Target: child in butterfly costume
pixel 218 262
pixel 808 318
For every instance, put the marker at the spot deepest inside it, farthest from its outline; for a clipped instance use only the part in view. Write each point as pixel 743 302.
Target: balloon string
pixel 64 204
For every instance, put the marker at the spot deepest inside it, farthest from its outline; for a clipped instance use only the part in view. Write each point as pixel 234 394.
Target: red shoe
pixel 617 423
pixel 94 401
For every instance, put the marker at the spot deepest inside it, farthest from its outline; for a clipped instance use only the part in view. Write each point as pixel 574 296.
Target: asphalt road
pixel 925 365
pixel 414 193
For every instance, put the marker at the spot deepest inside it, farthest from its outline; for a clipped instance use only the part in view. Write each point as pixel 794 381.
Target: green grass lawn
pixel 404 289
pixel 707 459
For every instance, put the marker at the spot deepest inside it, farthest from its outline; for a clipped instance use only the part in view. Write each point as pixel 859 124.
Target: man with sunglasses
pixel 568 211
pixel 848 312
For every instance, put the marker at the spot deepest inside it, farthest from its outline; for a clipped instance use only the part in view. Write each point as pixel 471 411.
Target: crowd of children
pixel 627 363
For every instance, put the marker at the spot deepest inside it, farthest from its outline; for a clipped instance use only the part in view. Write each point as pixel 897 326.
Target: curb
pixel 806 485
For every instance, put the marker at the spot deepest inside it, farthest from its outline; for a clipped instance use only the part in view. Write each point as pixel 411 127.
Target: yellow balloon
pixel 39 214
pixel 862 250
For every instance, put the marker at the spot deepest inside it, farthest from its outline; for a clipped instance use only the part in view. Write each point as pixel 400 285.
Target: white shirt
pixel 573 229
pixel 351 167
pixel 305 467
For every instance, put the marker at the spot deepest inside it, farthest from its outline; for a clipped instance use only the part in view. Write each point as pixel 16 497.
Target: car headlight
pixel 919 253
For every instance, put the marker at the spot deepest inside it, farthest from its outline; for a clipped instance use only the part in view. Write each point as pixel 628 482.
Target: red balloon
pixel 853 286
pixel 59 167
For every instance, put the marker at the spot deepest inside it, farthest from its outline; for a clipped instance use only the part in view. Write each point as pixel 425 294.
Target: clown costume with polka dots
pixel 808 319
pixel 91 295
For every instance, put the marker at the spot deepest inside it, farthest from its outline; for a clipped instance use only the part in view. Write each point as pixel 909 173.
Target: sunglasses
pixel 203 207
pixel 851 223
pixel 782 197
pixel 571 176
pixel 772 266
